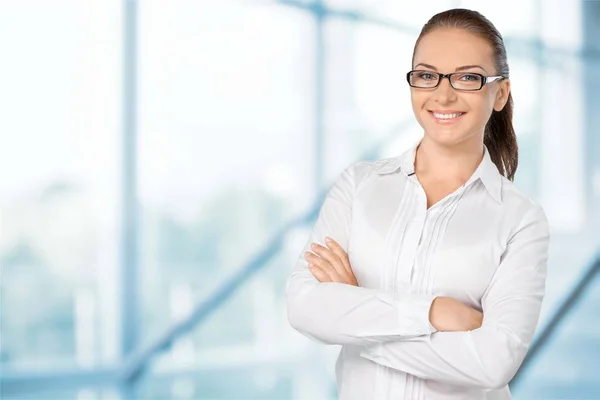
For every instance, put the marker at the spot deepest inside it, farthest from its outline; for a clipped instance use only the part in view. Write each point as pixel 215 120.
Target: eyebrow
pixel 464 67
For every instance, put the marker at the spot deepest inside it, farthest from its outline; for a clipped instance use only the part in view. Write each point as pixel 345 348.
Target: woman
pixel 429 268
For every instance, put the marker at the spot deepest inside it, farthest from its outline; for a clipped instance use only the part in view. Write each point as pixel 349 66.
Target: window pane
pixel 562 127
pixel 525 78
pixel 410 14
pixel 60 95
pixel 513 18
pixel 368 98
pixel 226 143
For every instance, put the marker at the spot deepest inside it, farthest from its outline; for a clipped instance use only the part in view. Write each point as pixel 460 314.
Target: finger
pixel 329 256
pixel 326 267
pixel 318 273
pixel 339 251
pixel 338 257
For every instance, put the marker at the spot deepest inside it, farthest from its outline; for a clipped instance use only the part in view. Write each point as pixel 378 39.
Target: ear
pixel 502 94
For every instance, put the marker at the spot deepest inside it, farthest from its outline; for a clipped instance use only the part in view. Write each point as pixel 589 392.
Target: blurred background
pixel 163 161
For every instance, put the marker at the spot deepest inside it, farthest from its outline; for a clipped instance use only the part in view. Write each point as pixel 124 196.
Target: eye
pixel 428 76
pixel 470 78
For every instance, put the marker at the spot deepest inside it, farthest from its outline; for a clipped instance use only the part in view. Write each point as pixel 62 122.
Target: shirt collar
pixel 489 175
pixel 486 172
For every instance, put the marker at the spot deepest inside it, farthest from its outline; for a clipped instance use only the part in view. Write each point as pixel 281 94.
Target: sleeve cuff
pixel 414 313
pixel 414 319
pixel 432 329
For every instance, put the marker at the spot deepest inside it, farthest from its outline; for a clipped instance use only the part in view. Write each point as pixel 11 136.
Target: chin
pixel 445 137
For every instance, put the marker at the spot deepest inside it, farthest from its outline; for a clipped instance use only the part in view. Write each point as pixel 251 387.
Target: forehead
pixel 447 49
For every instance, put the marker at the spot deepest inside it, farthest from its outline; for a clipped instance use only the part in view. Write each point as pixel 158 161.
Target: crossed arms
pixel 395 329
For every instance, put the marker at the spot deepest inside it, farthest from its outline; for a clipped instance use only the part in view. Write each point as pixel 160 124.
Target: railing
pixel 134 367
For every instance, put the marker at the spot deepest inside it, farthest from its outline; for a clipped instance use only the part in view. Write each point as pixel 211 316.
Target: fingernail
pixel 328 239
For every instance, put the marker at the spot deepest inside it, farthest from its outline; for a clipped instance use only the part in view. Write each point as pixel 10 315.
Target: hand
pixel 448 314
pixel 330 264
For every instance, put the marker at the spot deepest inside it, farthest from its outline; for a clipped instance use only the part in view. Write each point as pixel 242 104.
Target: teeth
pixel 447 116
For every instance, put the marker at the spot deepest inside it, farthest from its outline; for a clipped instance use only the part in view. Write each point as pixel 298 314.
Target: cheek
pixel 480 108
pixel 418 101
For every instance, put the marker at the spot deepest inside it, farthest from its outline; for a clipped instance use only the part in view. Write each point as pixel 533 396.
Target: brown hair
pixel 499 134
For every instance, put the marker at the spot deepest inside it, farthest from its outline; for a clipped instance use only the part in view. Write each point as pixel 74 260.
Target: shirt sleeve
pixel 336 313
pixel 489 356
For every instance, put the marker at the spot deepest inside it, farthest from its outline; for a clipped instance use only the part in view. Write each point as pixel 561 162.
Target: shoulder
pixel 520 206
pixel 378 167
pixel 361 171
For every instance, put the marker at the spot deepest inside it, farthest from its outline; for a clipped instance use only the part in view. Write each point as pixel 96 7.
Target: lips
pixel 446 117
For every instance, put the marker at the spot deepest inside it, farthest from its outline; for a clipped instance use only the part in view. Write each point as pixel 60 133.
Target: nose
pixel 444 93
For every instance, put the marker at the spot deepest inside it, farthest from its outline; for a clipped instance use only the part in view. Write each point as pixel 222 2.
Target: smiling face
pixel 448 116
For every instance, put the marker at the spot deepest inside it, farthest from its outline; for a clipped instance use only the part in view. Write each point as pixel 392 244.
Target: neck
pixel 455 163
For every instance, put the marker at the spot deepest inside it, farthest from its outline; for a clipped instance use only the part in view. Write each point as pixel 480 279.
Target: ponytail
pixel 501 140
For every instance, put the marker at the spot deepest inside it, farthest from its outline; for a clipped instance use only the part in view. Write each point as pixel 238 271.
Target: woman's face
pixel 446 51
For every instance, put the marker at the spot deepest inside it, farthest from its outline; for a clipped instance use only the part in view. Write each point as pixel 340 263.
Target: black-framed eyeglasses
pixel 465 81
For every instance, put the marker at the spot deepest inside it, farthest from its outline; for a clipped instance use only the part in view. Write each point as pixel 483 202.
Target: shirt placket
pixel 413 238
pixel 418 242
pixel 427 230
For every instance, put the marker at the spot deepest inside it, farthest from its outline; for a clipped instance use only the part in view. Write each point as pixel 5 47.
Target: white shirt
pixel 486 245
